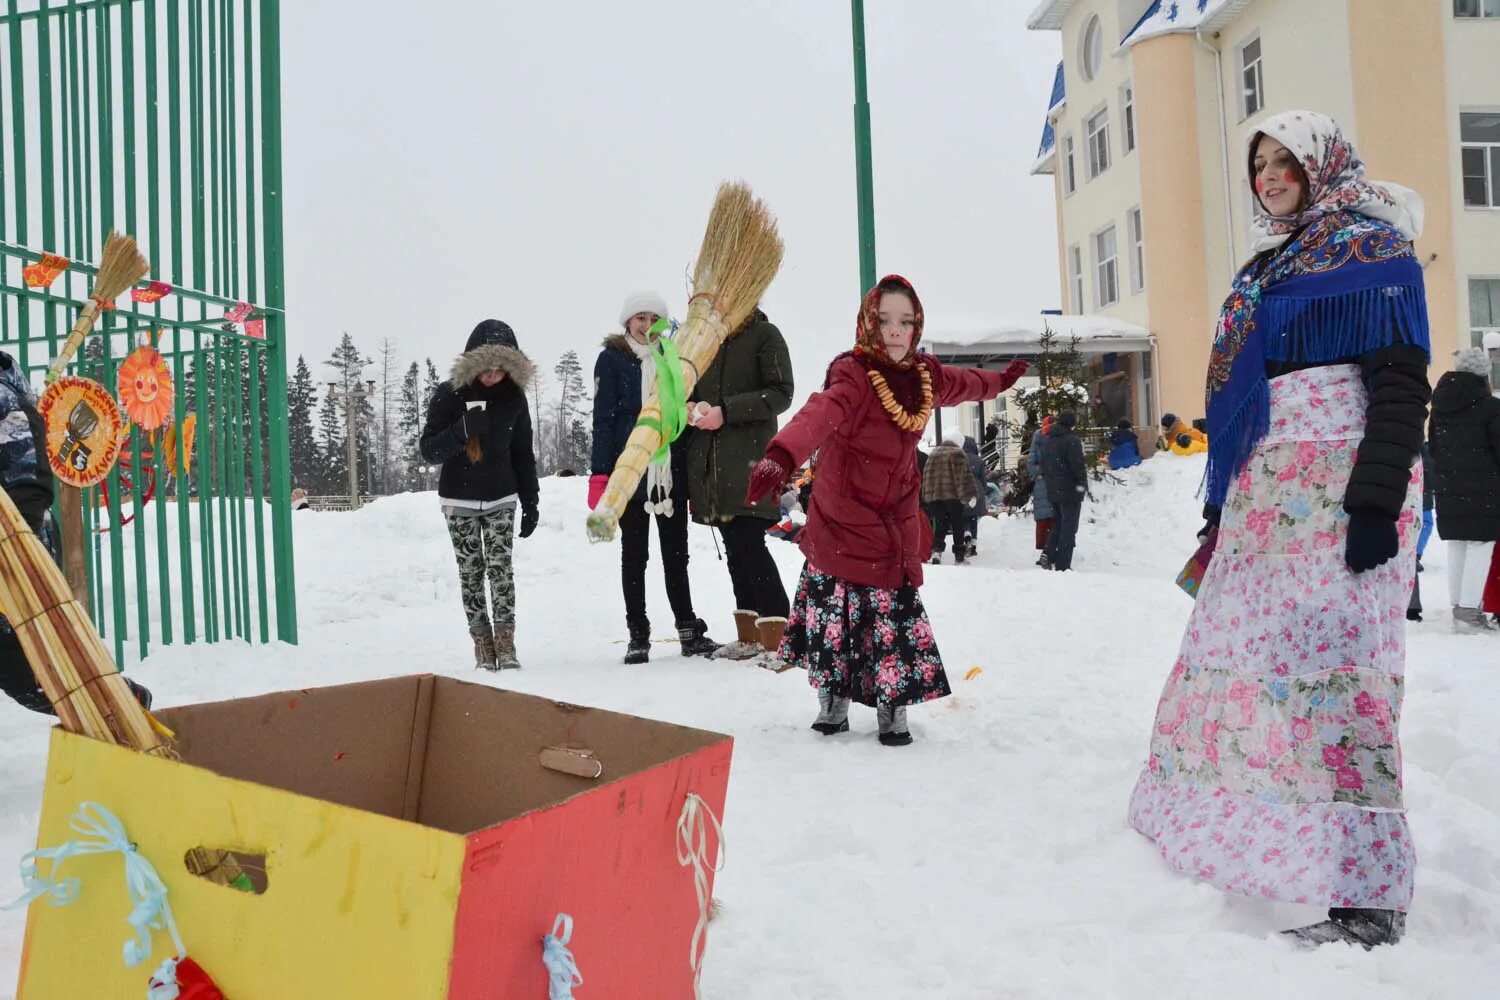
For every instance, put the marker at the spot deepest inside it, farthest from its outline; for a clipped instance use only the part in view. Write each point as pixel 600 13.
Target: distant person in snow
pixel 948 489
pixel 1042 511
pixel 857 623
pixel 1275 759
pixel 1465 436
pixel 1067 484
pixel 1125 450
pixel 479 427
pixel 624 374
pixel 981 504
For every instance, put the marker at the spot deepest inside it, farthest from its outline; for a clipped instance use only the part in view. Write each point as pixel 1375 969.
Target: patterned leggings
pixel 482 544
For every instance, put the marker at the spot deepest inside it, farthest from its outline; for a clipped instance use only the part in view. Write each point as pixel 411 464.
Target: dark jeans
pixel 752 571
pixel 1064 534
pixel 635 553
pixel 948 517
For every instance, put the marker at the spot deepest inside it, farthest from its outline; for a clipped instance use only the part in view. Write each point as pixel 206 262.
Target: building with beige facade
pixel 1145 141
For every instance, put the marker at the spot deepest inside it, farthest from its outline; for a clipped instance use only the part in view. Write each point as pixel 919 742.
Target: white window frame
pixel 1098 151
pixel 1075 278
pixel 1491 162
pixel 1135 233
pixel 1127 118
pixel 1103 266
pixel 1476 333
pixel 1242 69
pixel 1069 167
pixel 1485 10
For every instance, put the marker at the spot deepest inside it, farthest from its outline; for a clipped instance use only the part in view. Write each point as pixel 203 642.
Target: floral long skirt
pixel 870 644
pixel 1275 766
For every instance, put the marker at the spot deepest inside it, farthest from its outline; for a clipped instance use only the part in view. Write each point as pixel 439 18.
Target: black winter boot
pixel 639 648
pixel 1364 927
pixel 694 638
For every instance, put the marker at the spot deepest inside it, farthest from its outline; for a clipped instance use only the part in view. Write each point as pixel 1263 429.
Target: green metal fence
pixel 161 118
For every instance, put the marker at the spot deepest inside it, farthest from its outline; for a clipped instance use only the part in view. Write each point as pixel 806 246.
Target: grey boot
pixel 1470 620
pixel 892 722
pixel 833 717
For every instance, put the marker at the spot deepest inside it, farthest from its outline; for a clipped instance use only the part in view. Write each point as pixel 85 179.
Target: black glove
pixel 474 423
pixel 1210 522
pixel 529 517
pixel 1372 540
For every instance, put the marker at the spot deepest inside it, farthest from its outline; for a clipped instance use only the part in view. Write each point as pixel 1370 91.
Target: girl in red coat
pixel 857 624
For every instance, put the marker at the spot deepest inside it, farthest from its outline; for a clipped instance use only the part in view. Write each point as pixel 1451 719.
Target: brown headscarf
pixel 867 340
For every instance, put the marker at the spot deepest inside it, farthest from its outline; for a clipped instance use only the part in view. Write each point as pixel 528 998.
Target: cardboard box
pixel 414 846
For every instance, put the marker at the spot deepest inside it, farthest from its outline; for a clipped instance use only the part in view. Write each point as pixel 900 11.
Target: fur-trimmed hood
pixel 618 343
pixel 493 357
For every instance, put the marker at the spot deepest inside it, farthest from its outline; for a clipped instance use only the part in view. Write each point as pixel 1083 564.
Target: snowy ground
pixel 989 860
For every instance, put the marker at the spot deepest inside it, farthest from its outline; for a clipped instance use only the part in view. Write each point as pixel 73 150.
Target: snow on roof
pixel 1049 15
pixel 1165 17
pixel 969 335
pixel 1049 136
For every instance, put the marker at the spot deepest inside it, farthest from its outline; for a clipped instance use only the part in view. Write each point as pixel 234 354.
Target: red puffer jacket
pixel 865 524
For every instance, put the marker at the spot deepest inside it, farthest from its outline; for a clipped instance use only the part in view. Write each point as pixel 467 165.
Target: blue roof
pixel 1059 92
pixel 1165 15
pixel 1151 10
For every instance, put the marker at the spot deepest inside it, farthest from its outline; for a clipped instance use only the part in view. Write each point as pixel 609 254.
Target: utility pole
pixel 863 170
pixel 351 395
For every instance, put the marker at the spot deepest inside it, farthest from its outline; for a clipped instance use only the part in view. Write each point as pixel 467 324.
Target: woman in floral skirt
pixel 1275 766
pixel 857 623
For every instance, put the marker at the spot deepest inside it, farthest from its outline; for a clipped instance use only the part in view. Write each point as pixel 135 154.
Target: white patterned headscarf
pixel 1335 177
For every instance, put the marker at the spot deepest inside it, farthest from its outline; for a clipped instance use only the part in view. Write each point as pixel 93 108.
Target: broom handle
pixel 75 338
pixel 703 334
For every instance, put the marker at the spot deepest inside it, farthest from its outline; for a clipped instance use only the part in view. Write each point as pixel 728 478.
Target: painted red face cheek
pixel 1260 185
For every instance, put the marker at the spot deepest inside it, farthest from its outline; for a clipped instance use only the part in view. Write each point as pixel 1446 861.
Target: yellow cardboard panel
pixel 358 905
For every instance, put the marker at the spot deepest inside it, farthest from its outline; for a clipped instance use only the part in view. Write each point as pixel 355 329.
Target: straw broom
pixel 120 267
pixel 740 255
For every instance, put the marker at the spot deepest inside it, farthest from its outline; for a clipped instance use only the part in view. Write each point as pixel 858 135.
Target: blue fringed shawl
pixel 1345 286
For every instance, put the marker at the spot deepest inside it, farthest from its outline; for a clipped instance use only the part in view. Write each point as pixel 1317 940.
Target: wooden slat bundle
pixel 66 654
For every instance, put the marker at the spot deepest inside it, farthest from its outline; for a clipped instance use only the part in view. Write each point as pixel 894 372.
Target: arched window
pixel 1093 48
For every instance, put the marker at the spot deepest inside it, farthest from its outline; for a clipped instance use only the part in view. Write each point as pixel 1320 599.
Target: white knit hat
pixel 953 436
pixel 1474 360
pixel 642 302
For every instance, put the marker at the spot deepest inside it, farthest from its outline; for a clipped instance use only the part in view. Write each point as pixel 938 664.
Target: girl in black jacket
pixel 479 427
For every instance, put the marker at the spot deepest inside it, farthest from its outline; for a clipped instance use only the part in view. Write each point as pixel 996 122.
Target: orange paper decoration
pixel 179 445
pixel 45 271
pixel 256 328
pixel 146 388
pixel 83 424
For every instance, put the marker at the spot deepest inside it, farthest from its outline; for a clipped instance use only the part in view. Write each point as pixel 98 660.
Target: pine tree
pixel 302 399
pixel 387 390
pixel 429 386
pixel 409 430
pixel 569 453
pixel 349 366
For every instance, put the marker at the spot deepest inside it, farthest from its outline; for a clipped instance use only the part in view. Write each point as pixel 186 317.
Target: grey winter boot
pixel 1366 928
pixel 505 648
pixel 484 648
pixel 833 717
pixel 892 722
pixel 1470 620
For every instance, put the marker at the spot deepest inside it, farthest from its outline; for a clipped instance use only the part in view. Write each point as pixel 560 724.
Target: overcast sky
pixel 534 162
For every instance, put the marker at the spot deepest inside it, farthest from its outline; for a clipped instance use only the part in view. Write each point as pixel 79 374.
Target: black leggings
pixel 757 581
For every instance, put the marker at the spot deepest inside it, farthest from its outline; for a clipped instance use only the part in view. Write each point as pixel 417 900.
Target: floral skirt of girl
pixel 870 644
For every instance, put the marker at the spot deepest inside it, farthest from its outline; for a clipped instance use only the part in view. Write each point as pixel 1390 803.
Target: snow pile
pixel 991 858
